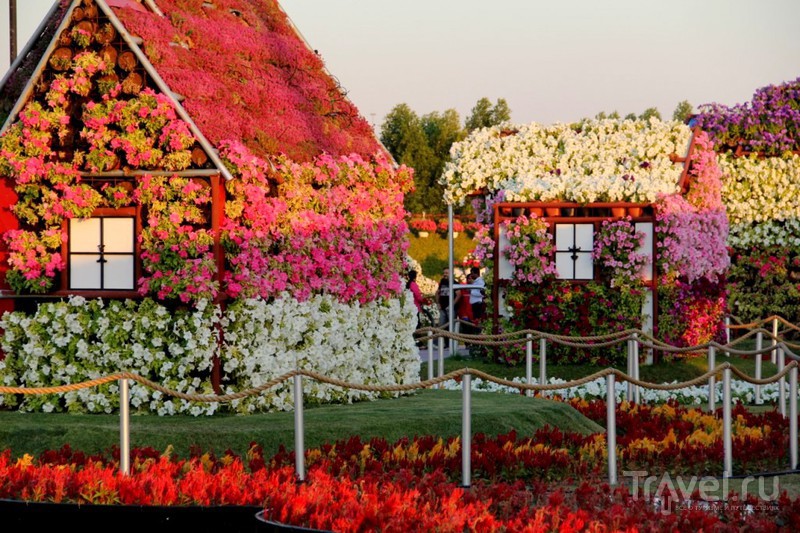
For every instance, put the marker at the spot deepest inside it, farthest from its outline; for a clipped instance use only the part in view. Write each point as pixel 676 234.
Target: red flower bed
pixel 549 481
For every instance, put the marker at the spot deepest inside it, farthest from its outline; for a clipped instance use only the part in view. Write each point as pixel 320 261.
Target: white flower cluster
pixel 741 391
pixel 761 199
pixel 371 344
pixel 69 342
pixel 593 161
pixel 78 340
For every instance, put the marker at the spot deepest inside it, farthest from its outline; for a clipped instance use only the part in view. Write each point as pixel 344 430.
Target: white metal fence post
pixel 759 357
pixel 542 361
pixel 629 371
pixel 430 355
pixel 611 428
pixel 529 362
pixel 441 356
pixel 712 380
pixel 466 430
pixel 793 418
pixel 774 339
pixel 781 382
pixel 727 329
pixel 453 342
pixel 299 437
pixel 727 443
pixel 124 427
pixel 636 388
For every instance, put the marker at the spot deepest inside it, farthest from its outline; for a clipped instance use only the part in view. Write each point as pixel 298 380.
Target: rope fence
pixel 465 375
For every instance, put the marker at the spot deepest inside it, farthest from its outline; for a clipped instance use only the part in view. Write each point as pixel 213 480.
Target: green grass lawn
pixel 432 252
pixel 426 412
pixel 435 412
pixel 662 372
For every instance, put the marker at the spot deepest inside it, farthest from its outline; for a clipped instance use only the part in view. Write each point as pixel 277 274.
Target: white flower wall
pixel 77 340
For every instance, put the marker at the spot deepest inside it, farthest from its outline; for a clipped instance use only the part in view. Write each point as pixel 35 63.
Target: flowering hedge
pixel 530 250
pixel 769 123
pixel 549 480
pixel 68 342
pixel 336 226
pixel 591 161
pixel 423 224
pixel 758 143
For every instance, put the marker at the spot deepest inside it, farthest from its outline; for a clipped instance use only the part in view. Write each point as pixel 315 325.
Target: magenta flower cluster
pixel 693 229
pixel 530 250
pixel 616 248
pixel 336 226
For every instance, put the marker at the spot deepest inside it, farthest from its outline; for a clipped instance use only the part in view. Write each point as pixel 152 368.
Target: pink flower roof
pixel 248 76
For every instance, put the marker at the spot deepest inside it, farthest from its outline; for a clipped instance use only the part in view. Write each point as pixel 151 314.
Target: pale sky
pixel 553 61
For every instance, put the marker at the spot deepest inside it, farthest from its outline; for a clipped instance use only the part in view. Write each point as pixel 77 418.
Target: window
pixel 574 243
pixel 102 253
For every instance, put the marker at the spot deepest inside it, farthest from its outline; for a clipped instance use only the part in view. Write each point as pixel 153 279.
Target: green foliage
pixel 432 252
pixel 403 135
pixel 484 114
pixel 650 112
pixel 424 145
pixel 662 371
pixel 765 282
pixel 602 115
pixel 682 111
pixel 564 308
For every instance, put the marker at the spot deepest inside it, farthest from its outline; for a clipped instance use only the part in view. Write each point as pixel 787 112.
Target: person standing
pixel 443 296
pixel 477 294
pixel 411 285
pixel 461 304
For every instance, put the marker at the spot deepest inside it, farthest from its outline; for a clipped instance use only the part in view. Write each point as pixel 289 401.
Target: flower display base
pixel 277 527
pixel 44 516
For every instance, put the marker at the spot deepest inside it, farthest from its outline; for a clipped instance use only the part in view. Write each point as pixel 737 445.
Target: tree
pixel 442 130
pixel 650 112
pixel 402 134
pixel 682 111
pixel 484 115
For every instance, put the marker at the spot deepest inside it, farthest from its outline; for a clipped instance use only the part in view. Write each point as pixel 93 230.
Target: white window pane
pixel 647 249
pixel 84 271
pixel 118 272
pixel 84 235
pixel 583 267
pixel 564 265
pixel 584 237
pixel 564 236
pixel 504 268
pixel 118 235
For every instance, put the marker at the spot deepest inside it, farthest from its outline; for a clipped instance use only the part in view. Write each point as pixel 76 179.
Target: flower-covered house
pixel 597 227
pixel 187 193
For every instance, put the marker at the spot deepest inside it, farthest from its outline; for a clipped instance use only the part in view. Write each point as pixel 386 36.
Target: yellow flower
pixel 24 461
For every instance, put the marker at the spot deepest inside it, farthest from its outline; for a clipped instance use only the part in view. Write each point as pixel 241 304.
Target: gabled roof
pixel 17 77
pixel 236 70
